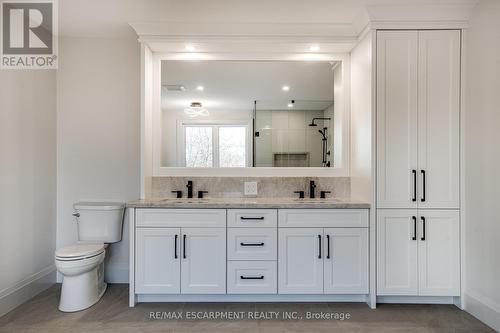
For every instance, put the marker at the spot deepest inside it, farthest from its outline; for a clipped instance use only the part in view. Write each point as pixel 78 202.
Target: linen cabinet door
pixel 346 261
pixel 300 261
pixel 203 261
pixel 157 261
pixel 438 118
pixel 396 119
pixel 439 253
pixel 397 252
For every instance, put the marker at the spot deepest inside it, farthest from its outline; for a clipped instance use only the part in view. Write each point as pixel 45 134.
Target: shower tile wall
pixel 287 132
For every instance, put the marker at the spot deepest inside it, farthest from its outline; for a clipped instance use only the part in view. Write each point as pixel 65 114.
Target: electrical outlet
pixel 250 188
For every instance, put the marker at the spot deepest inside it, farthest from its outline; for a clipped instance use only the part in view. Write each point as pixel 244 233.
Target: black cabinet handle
pixel 319 246
pixel 300 193
pixel 175 246
pixel 327 246
pixel 414 228
pixel 423 185
pixel 423 228
pixel 251 218
pixel 252 244
pixel 414 172
pixel 184 246
pixel 261 277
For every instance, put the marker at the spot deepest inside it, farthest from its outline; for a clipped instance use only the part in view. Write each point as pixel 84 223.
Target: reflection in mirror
pixel 247 113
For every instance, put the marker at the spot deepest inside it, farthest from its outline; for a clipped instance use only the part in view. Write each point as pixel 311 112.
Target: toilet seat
pixel 79 251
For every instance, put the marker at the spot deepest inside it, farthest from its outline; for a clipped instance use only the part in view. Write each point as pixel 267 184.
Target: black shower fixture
pixel 314 119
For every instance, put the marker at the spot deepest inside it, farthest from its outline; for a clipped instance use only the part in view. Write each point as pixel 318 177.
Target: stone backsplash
pixel 217 187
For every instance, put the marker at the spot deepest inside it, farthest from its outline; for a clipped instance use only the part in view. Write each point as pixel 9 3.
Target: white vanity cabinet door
pixel 396 118
pixel 158 268
pixel 397 252
pixel 300 263
pixel 203 261
pixel 438 118
pixel 346 261
pixel 438 253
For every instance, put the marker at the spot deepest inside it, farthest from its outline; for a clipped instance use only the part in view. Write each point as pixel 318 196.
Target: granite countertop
pixel 273 202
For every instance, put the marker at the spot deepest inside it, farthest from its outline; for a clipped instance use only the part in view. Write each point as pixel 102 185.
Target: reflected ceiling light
pixel 290 105
pixel 200 88
pixel 190 47
pixel 195 110
pixel 314 48
pixel 285 88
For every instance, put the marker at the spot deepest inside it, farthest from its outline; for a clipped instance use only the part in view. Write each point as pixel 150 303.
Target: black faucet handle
pixel 323 194
pixel 300 193
pixel 178 194
pixel 200 194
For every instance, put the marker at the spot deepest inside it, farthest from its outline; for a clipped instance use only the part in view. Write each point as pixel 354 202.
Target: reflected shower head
pixel 312 124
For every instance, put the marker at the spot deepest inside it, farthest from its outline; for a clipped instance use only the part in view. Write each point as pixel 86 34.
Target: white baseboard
pixel 416 299
pixel 484 309
pixel 13 296
pixel 250 298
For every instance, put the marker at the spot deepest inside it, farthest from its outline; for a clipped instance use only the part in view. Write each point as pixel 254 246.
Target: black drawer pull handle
pixel 414 218
pixel 252 277
pixel 423 228
pixel 319 246
pixel 184 247
pixel 414 185
pixel 251 218
pixel 175 247
pixel 327 246
pixel 423 185
pixel 252 244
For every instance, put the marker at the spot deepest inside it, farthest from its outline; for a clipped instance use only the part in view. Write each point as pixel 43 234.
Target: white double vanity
pixel 252 139
pixel 249 254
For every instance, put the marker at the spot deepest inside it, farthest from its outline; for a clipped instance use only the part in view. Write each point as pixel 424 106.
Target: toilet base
pixel 80 292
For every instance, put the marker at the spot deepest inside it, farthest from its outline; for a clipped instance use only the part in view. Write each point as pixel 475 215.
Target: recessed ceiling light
pixel 290 105
pixel 190 48
pixel 285 88
pixel 314 48
pixel 200 88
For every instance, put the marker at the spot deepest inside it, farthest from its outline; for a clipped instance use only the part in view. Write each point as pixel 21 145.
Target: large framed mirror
pixel 245 114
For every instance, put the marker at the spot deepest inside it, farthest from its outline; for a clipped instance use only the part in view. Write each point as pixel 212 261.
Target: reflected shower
pixel 324 140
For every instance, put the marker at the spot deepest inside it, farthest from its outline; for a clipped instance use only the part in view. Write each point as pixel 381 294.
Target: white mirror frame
pixel 151 132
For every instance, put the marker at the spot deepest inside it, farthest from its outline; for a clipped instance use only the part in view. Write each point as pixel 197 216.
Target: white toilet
pixel 82 263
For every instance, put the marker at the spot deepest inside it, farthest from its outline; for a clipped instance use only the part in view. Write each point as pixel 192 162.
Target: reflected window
pixel 215 145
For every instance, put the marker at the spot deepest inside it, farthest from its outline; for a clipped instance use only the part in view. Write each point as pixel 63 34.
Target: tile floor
pixel 112 314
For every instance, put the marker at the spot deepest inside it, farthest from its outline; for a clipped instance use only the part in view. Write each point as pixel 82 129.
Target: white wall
pixel 98 125
pixel 482 164
pixel 361 119
pixel 27 184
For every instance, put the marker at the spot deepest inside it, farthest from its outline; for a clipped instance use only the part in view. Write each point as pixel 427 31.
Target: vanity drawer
pixel 202 218
pixel 252 243
pixel 323 218
pixel 262 218
pixel 252 277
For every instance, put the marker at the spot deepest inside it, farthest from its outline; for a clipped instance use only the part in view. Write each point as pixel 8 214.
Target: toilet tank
pixel 99 221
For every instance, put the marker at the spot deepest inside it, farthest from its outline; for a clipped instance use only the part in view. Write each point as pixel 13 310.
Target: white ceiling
pixel 111 18
pixel 235 85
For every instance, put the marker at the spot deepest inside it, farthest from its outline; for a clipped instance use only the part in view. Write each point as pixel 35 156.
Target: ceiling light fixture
pixel 190 47
pixel 195 110
pixel 200 88
pixel 285 88
pixel 314 48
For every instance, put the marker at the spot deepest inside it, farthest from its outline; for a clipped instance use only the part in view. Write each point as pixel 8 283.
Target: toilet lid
pixel 79 250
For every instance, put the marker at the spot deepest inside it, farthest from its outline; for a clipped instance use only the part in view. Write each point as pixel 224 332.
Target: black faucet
pixel 190 189
pixel 312 186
